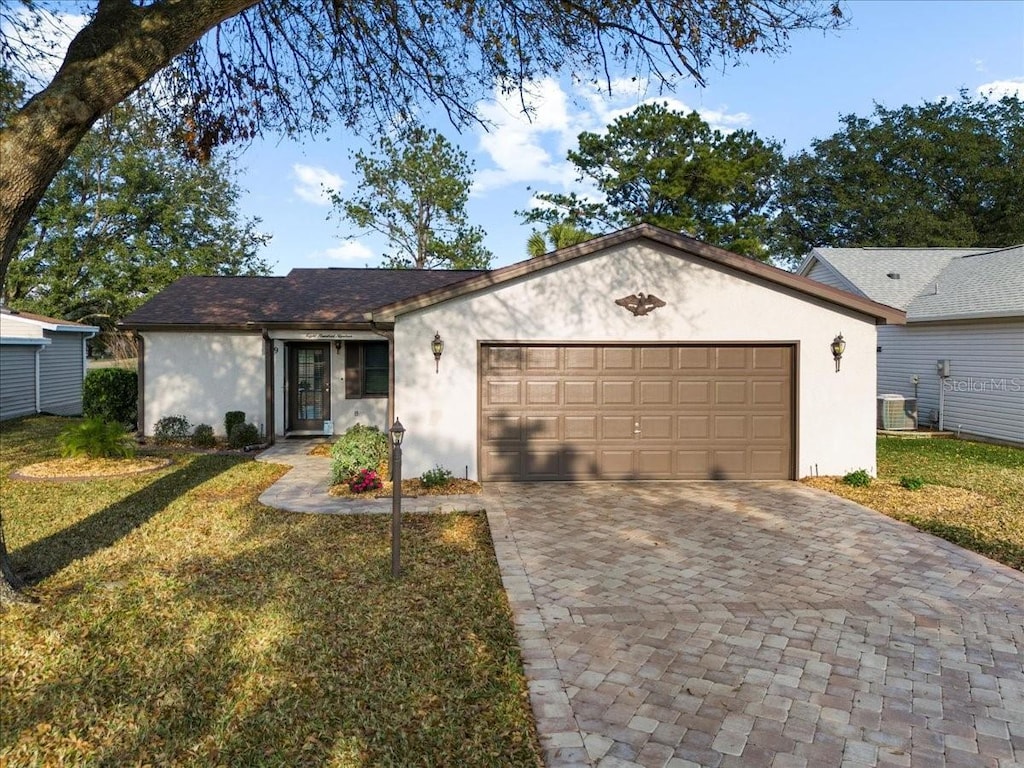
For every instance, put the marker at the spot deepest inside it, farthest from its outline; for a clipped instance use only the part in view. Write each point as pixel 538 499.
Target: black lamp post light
pixel 397 433
pixel 838 346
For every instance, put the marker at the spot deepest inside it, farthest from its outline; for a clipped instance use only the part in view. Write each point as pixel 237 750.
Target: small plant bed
pixel 322 450
pixel 84 468
pixel 413 488
pixel 971 494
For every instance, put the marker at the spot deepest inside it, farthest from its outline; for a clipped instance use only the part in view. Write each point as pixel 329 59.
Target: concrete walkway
pixel 760 624
pixel 304 488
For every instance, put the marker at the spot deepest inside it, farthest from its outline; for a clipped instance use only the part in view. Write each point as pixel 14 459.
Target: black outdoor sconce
pixel 838 346
pixel 337 345
pixel 437 347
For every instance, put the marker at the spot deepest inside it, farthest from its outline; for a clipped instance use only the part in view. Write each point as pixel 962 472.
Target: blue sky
pixel 893 52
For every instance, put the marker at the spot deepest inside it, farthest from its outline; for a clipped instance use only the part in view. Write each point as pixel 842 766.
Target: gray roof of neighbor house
pixel 982 285
pixel 49 323
pixel 932 283
pixel 329 296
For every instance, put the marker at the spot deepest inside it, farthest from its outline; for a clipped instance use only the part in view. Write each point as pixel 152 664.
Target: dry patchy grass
pixel 182 623
pixel 974 495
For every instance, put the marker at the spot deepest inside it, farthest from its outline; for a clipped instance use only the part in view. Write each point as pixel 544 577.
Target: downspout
pixel 268 387
pixel 39 352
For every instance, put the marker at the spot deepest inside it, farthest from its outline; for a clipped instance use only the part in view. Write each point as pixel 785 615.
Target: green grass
pixel 181 622
pixel 973 494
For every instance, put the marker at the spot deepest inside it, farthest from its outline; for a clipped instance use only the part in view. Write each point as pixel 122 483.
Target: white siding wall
pixel 984 395
pixel 202 376
pixel 17 380
pixel 575 302
pixel 829 276
pixel 61 367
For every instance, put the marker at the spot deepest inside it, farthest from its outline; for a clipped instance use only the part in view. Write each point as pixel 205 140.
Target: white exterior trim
pixel 40 342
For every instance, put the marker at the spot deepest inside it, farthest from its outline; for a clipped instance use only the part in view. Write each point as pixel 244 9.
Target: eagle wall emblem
pixel 640 303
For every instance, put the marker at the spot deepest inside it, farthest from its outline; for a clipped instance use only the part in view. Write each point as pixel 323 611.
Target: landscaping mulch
pixel 87 469
pixel 973 494
pixel 412 489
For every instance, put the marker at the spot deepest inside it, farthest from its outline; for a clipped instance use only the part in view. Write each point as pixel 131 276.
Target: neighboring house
pixel 42 364
pixel 640 354
pixel 964 306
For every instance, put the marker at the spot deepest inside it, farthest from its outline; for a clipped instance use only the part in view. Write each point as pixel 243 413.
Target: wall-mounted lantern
pixel 338 343
pixel 838 346
pixel 437 347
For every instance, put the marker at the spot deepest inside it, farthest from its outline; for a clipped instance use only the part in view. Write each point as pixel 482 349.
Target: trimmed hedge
pixel 243 435
pixel 232 419
pixel 111 394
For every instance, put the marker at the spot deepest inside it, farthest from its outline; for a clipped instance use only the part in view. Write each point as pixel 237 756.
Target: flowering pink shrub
pixel 364 480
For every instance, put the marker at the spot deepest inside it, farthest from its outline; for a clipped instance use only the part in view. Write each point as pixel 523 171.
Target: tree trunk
pixel 120 49
pixel 10 584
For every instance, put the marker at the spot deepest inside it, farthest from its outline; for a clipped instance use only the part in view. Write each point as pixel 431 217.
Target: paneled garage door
pixel 645 412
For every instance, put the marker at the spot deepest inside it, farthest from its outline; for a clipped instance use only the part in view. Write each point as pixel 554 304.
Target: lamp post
pixel 397 432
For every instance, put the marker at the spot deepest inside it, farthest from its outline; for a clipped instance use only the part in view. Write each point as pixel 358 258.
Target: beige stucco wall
pixel 202 376
pixel 575 302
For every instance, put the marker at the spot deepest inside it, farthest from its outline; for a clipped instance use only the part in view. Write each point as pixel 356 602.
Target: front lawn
pixel 181 622
pixel 974 492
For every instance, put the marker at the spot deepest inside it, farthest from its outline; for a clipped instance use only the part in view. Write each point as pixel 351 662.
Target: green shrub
pixel 202 436
pixel 436 477
pixel 242 435
pixel 97 439
pixel 171 429
pixel 858 479
pixel 912 482
pixel 111 394
pixel 361 447
pixel 231 418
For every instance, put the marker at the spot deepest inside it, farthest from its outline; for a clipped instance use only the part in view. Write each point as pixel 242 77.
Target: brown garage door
pixel 646 412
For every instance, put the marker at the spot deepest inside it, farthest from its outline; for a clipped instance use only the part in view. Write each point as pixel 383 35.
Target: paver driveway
pixel 725 624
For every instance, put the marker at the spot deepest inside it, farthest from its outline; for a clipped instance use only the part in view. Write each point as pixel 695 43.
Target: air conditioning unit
pixel 897 412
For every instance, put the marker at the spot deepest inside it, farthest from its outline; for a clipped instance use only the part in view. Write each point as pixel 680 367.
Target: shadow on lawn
pixel 45 557
pixel 299 649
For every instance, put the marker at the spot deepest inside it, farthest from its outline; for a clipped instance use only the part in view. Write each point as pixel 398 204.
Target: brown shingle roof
pixel 318 296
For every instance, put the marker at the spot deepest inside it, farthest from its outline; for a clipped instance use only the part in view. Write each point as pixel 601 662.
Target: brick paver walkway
pixel 761 624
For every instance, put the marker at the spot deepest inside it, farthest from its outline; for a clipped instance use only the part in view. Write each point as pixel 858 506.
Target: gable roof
pixel 962 282
pixel 47 323
pixel 647 232
pixel 304 297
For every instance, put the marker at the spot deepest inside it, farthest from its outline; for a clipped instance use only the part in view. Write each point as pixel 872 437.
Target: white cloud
pixel 315 184
pixel 529 137
pixel 997 89
pixel 350 250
